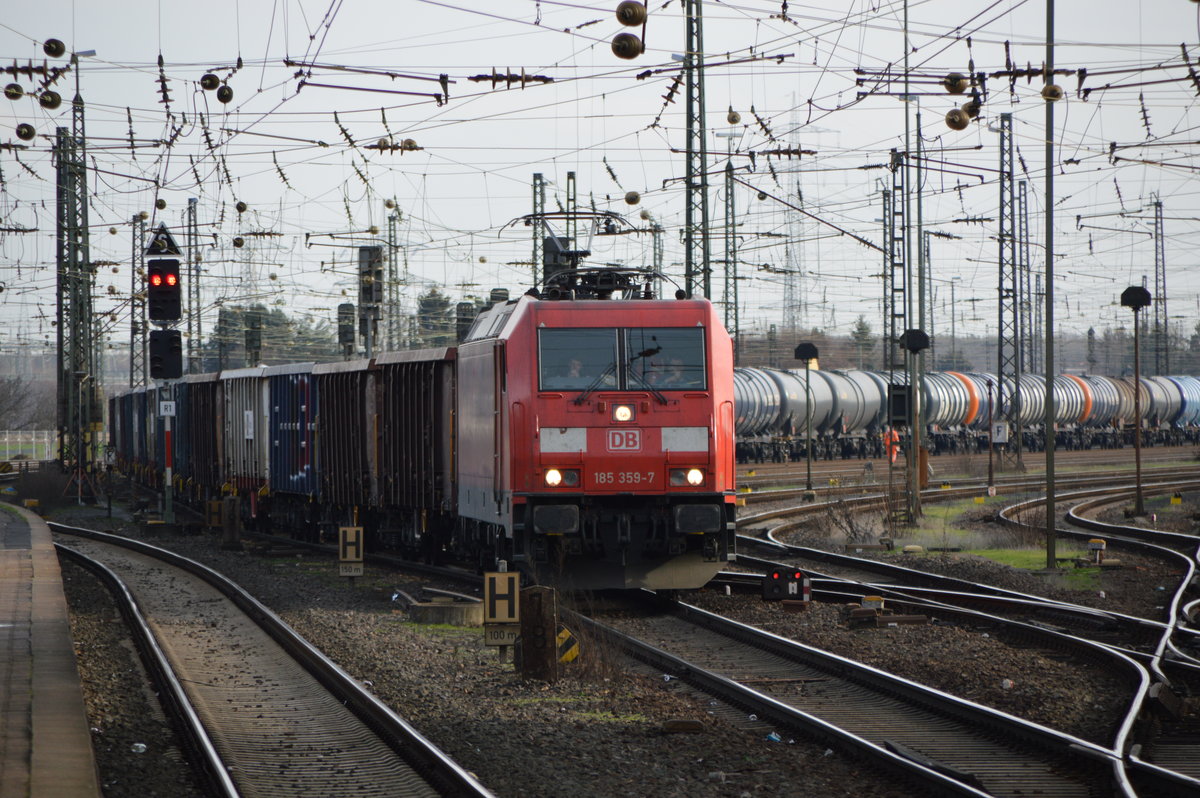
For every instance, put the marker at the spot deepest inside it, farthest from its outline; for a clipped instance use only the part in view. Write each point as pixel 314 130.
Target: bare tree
pixel 26 404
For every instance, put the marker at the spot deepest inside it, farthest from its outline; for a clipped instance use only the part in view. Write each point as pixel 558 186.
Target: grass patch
pixel 609 717
pixel 1028 559
pixel 444 628
pixel 556 700
pixel 1083 579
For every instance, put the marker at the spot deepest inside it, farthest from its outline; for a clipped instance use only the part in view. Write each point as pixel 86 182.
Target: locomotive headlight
pixel 687 476
pixel 566 477
pixel 622 413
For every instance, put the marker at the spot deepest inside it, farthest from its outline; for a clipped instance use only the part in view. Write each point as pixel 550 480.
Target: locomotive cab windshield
pixel 636 359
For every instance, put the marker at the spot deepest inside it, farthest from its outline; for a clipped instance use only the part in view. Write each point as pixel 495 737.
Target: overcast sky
pixel 298 156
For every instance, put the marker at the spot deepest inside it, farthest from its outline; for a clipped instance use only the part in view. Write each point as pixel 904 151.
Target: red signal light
pixel 774 574
pixel 797 575
pixel 156 279
pixel 172 278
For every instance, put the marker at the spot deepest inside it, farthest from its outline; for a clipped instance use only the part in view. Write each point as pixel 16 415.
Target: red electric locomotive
pixel 595 435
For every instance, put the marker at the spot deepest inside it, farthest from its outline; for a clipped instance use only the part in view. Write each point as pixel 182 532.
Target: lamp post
pixel 808 353
pixel 1136 297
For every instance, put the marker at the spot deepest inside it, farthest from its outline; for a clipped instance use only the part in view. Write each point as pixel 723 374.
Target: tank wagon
pixel 849 411
pixel 585 435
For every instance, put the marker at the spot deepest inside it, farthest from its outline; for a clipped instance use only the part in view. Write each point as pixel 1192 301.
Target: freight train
pixel 584 434
pixel 850 411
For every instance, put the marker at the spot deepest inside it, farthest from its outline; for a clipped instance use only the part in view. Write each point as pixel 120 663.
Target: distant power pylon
pixel 78 410
pixel 1162 333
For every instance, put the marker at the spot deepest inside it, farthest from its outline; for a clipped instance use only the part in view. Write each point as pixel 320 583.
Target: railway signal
pixel 786 583
pixel 164 294
pixel 166 354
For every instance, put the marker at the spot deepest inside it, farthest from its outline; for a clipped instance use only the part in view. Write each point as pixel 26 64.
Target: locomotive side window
pixel 577 359
pixel 666 358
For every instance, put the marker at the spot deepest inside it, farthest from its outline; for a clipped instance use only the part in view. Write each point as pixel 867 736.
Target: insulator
pixel 161 204
pixel 645 215
pixel 25 131
pixel 209 81
pixel 13 91
pixel 483 259
pixel 627 46
pixel 54 48
pixel 225 94
pixel 373 229
pixel 389 204
pixel 957 119
pixel 144 215
pixel 241 206
pixel 762 195
pixel 632 198
pixel 733 117
pixel 1052 92
pixel 238 241
pixel 50 99
pixel 273 276
pixel 972 108
pixel 409 144
pixel 956 83
pixel 383 144
pixel 631 12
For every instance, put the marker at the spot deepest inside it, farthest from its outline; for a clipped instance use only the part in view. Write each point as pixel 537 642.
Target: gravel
pixel 136 750
pixel 599 730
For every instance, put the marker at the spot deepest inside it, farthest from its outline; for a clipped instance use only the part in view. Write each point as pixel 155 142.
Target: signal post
pixel 164 305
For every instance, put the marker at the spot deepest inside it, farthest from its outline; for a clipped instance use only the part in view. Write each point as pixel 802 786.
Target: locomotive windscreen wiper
pixel 659 395
pixel 645 353
pixel 609 371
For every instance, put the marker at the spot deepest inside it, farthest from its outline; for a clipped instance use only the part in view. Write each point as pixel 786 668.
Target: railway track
pixel 963 465
pixel 945 775
pixel 949 745
pixel 960 488
pixel 1171 738
pixel 1162 741
pixel 267 714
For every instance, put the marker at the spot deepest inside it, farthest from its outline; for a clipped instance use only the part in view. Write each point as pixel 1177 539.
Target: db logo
pixel 624 440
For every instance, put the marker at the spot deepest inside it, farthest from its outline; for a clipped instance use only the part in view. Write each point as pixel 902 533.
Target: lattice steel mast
pixel 895 272
pixel 1025 320
pixel 731 256
pixel 1008 360
pixel 137 304
pixel 195 331
pixel 76 339
pixel 695 223
pixel 394 279
pixel 538 227
pixel 1162 333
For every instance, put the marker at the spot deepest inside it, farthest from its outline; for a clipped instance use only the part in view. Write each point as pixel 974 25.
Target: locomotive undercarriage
pixel 624 542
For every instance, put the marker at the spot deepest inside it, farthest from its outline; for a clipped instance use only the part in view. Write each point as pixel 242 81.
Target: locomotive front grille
pixel 697 519
pixel 556 519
